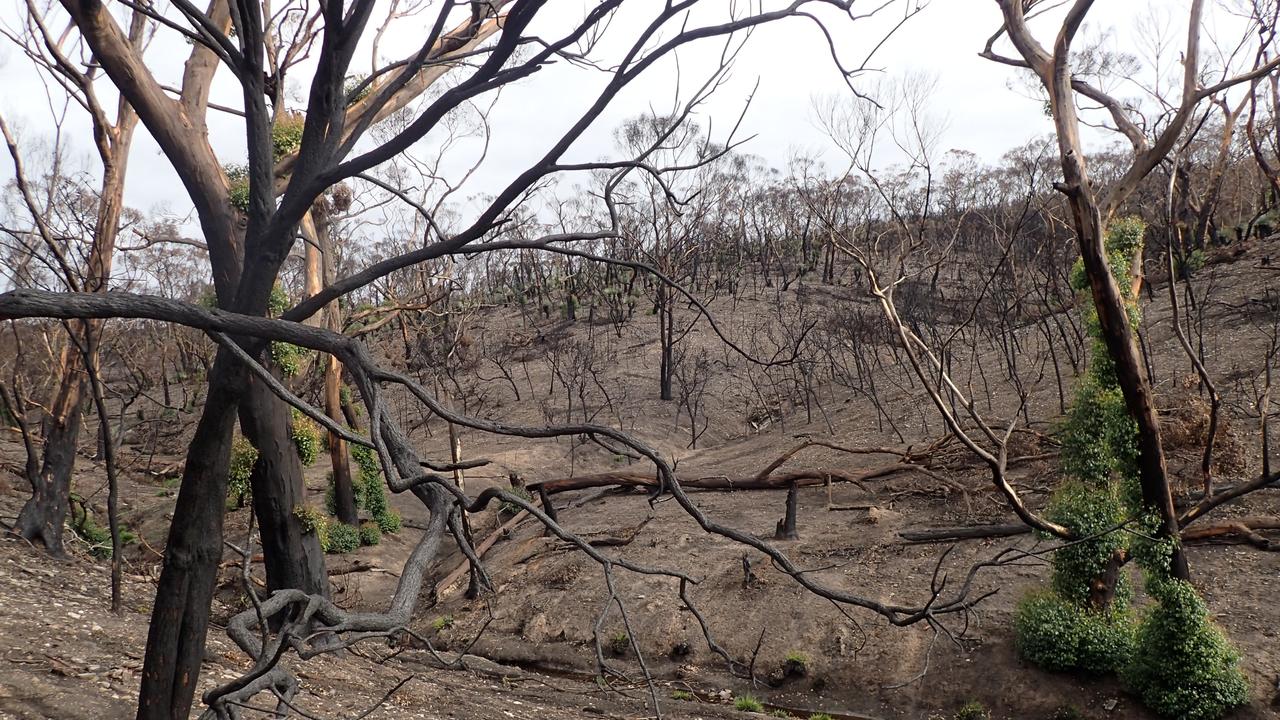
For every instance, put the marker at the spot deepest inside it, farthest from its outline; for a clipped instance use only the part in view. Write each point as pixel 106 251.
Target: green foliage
pixel 1183 666
pixel 286 135
pixel 441 623
pixel 1058 635
pixel 747 703
pixel 795 663
pixel 314 521
pixel 1086 511
pixel 1123 242
pixel 780 714
pixel 389 521
pixel 97 537
pixel 972 710
pixel 619 643
pixel 372 494
pixel 682 695
pixel 349 88
pixel 820 716
pixel 510 508
pixel 286 356
pixel 238 179
pixel 243 457
pixel 370 533
pixel 341 538
pixel 307 437
pixel 1099 438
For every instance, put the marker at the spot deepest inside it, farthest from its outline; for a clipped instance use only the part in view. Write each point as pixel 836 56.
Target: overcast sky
pixel 984 111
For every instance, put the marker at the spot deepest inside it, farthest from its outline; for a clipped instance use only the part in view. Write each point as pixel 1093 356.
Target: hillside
pixel 66 655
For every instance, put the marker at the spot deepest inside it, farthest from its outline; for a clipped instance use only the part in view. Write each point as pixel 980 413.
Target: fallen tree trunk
pixel 1245 527
pixel 779 481
pixel 974 532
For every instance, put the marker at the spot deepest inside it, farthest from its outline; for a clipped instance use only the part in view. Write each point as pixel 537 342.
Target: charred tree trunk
pixel 293 559
pixel 786 529
pixel 343 490
pixel 180 617
pixel 45 512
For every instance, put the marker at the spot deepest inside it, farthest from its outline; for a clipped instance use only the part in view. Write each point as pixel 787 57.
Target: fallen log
pixel 778 481
pixel 1245 527
pixel 974 532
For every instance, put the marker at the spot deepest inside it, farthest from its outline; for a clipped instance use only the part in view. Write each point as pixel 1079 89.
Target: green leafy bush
pixel 619 643
pixel 97 537
pixel 342 538
pixel 370 533
pixel 820 716
pixel 1058 635
pixel 972 710
pixel 747 703
pixel 796 663
pixel 306 436
pixel 682 695
pixel 243 457
pixel 1183 666
pixel 372 490
pixel 389 521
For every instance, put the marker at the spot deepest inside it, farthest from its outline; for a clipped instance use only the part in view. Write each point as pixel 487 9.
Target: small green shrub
pixel 619 643
pixel 510 508
pixel 389 522
pixel 342 538
pixel 779 714
pixel 972 710
pixel 370 533
pixel 682 695
pixel 1183 666
pixel 796 663
pixel 820 716
pixel 1060 636
pixel 306 436
pixel 97 537
pixel 746 703
pixel 441 623
pixel 243 457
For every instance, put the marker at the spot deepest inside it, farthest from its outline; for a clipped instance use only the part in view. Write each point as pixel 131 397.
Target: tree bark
pixel 180 617
pixel 293 558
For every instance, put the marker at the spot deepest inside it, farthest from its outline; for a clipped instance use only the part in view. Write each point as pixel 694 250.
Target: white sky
pixel 789 60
